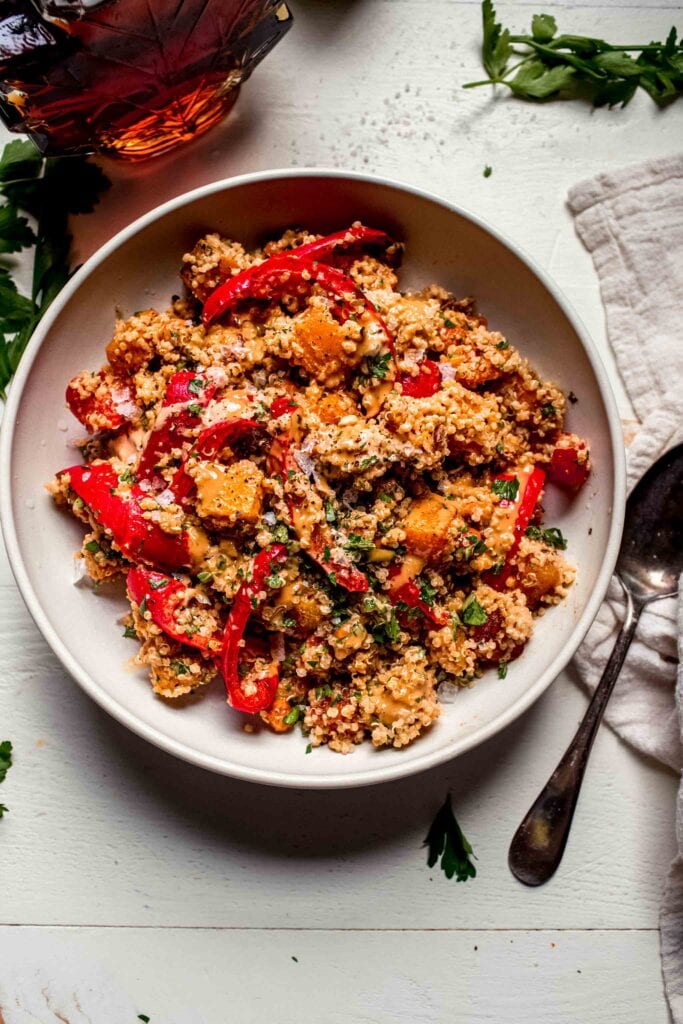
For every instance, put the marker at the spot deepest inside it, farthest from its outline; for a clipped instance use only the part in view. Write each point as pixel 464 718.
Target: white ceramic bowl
pixel 139 268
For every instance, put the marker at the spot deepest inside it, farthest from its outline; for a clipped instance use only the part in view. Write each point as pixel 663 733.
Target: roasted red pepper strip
pixel 246 601
pixel 138 539
pixel 425 384
pixel 326 248
pixel 173 429
pixel 569 463
pixel 164 597
pixel 531 480
pixel 409 594
pixel 281 406
pixel 208 444
pixel 101 411
pixel 344 573
pixel 283 275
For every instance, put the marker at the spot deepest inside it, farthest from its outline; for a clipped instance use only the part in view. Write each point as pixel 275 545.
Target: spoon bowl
pixel 651 555
pixel 648 567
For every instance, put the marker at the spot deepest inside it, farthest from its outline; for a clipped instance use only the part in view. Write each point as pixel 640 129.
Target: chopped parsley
pixel 387 632
pixel 488 171
pixel 370 461
pixel 127 477
pixel 550 535
pixel 180 668
pixel 195 409
pixel 204 577
pixel 502 668
pixel 142 607
pixel 130 633
pixel 386 498
pixel 472 612
pixel 326 553
pixel 5 765
pixel 309 748
pixel 456 623
pixel 427 592
pixel 293 717
pixel 378 366
pixel 548 410
pixel 447 842
pixel 196 386
pixel 93 547
pixel 159 584
pixel 330 514
pixel 280 533
pixel 502 345
pixel 143 1017
pixel 274 581
pixel 507 489
pixel 357 543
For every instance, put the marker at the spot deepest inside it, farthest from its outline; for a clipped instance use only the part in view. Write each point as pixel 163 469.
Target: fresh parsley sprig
pixel 5 765
pixel 49 191
pixel 445 840
pixel 568 66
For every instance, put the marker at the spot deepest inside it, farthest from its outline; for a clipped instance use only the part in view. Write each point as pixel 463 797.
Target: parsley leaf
pixel 550 65
pixel 5 765
pixel 427 592
pixel 357 543
pixel 472 612
pixel 446 841
pixel 496 49
pixel 49 190
pixel 507 489
pixel 378 366
pixel 550 535
pixel 488 171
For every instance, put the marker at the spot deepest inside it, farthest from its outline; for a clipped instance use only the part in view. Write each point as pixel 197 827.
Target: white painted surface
pixel 156 888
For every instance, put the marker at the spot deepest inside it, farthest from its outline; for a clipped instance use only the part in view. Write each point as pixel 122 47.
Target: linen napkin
pixel 631 222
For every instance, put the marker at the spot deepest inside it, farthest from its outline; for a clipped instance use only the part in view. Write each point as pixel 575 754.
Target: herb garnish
pixel 574 66
pixel 488 171
pixel 507 489
pixel 5 765
pixel 472 612
pixel 550 535
pixel 357 543
pixel 378 366
pixel 49 190
pixel 445 840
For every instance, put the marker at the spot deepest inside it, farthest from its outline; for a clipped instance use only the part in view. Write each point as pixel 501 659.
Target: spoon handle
pixel 538 844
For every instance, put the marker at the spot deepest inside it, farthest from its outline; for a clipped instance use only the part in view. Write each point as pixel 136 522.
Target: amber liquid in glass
pixel 129 77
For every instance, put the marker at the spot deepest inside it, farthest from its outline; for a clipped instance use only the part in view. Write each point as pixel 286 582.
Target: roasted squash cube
pixel 319 345
pixel 426 525
pixel 231 493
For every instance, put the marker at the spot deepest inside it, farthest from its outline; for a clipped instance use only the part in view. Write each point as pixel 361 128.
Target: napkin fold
pixel 631 222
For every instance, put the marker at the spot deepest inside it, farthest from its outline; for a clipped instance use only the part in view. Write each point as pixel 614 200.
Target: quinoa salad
pixel 319 489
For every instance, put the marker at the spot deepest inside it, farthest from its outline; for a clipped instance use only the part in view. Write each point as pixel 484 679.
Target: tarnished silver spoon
pixel 649 565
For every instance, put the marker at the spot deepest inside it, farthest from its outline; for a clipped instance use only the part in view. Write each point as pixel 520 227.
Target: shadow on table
pixel 304 823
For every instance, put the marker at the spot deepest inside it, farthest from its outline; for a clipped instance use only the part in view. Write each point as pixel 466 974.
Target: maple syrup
pixel 133 78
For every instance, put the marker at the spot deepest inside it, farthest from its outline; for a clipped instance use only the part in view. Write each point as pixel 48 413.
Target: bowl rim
pixel 224 766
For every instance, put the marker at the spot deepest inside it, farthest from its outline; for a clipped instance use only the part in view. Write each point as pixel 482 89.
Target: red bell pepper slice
pixel 569 463
pixel 281 406
pixel 409 594
pixel 342 572
pixel 246 601
pixel 531 480
pixel 208 444
pixel 164 597
pixel 174 429
pixel 282 275
pixel 326 248
pixel 425 384
pixel 138 539
pixel 102 412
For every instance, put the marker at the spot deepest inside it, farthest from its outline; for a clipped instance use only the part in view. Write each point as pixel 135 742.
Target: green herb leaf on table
pixel 445 840
pixel 552 66
pixel 5 765
pixel 49 191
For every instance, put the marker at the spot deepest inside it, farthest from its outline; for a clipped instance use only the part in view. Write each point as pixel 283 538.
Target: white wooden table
pixel 131 883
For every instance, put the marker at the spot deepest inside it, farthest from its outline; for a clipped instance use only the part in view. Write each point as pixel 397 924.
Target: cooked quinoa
pixel 329 492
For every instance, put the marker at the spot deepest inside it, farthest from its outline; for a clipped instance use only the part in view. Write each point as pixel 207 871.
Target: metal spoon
pixel 649 565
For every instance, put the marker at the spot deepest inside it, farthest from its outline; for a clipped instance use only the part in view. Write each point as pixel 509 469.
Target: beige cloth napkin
pixel 631 222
